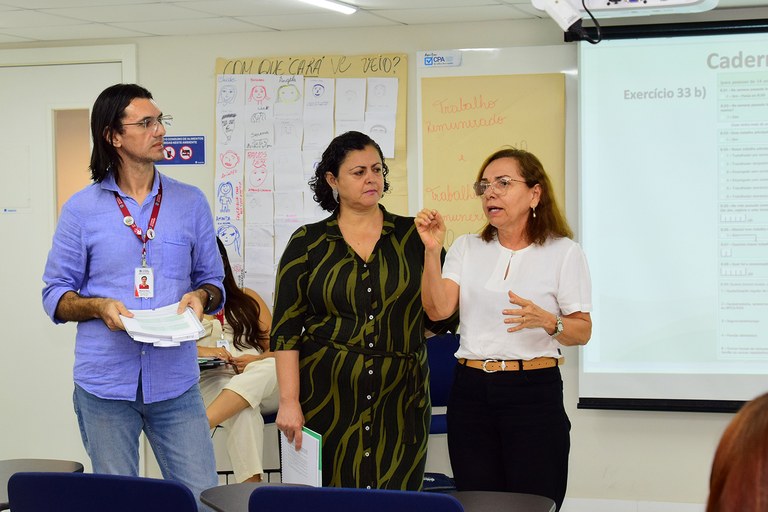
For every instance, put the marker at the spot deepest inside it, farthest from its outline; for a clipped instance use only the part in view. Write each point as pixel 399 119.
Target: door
pixel 36 377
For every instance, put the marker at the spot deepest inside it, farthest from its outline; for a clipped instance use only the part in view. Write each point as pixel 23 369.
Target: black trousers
pixel 508 431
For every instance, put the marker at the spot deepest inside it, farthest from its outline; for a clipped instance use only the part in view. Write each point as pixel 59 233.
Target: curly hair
pixel 332 158
pixel 106 120
pixel 549 221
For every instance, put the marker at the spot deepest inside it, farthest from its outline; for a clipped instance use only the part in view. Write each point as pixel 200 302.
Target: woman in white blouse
pixel 523 289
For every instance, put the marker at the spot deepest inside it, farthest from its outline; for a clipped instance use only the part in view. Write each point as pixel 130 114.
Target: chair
pixel 88 492
pixel 270 419
pixel 9 467
pixel 335 499
pixel 442 363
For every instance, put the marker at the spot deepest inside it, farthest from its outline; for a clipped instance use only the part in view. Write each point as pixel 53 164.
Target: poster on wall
pixel 271 130
pixel 473 102
pixel 465 119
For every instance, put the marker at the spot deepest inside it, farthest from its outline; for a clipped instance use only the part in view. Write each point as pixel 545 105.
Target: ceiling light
pixel 334 6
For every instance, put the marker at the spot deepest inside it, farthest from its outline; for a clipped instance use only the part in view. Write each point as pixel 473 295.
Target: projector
pixel 567 12
pixel 620 8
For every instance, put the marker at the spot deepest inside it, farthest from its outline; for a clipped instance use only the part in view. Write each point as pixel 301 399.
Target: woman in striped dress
pixel 348 328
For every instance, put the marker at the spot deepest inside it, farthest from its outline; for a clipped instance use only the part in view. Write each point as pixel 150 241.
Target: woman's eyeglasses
pixel 500 185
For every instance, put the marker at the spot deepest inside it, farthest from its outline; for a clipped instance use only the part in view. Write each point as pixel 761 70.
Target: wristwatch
pixel 209 302
pixel 558 326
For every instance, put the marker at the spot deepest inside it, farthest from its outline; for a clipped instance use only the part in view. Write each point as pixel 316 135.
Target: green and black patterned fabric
pixel 359 326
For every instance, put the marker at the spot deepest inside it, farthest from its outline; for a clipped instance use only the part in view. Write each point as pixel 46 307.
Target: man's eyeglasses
pixel 499 185
pixel 152 123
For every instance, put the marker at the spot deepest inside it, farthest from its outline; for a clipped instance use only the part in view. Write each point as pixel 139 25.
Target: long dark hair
pixel 332 158
pixel 106 120
pixel 549 221
pixel 242 311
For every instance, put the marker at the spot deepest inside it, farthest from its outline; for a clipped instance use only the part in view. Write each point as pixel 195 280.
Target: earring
pixel 335 194
pixel 534 211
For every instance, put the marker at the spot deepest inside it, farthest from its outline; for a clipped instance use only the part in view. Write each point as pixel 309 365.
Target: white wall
pixel 627 456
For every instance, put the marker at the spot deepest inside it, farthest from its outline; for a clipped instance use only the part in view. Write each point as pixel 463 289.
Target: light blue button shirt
pixel 95 254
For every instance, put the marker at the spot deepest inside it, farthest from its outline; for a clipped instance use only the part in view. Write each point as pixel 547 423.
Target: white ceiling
pixel 24 21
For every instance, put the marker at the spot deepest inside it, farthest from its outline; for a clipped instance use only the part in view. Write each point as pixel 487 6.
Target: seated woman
pixel 236 394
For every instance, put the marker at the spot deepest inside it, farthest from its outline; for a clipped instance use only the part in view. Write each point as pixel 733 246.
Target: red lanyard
pixel 129 221
pixel 220 318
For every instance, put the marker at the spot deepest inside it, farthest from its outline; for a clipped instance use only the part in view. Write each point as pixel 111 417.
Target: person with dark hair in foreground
pixel 134 222
pixel 739 479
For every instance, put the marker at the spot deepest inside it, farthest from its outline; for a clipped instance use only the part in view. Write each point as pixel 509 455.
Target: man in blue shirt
pixel 134 224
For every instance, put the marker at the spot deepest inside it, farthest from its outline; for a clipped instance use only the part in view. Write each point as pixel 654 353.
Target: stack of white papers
pixel 163 327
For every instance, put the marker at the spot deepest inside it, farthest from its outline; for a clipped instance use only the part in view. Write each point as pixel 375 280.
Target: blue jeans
pixel 177 430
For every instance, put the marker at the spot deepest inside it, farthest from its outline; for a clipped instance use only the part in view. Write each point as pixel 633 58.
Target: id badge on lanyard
pixel 144 282
pixel 222 341
pixel 143 276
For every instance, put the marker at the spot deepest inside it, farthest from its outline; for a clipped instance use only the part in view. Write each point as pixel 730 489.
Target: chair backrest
pixel 88 492
pixel 440 355
pixel 335 499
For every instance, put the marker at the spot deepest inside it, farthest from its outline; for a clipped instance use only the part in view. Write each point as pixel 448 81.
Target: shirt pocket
pixel 177 259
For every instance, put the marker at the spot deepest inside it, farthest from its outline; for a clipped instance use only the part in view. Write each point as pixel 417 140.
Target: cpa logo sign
pixel 435 60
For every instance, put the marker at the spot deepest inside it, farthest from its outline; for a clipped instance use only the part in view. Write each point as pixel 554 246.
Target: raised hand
pixel 431 228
